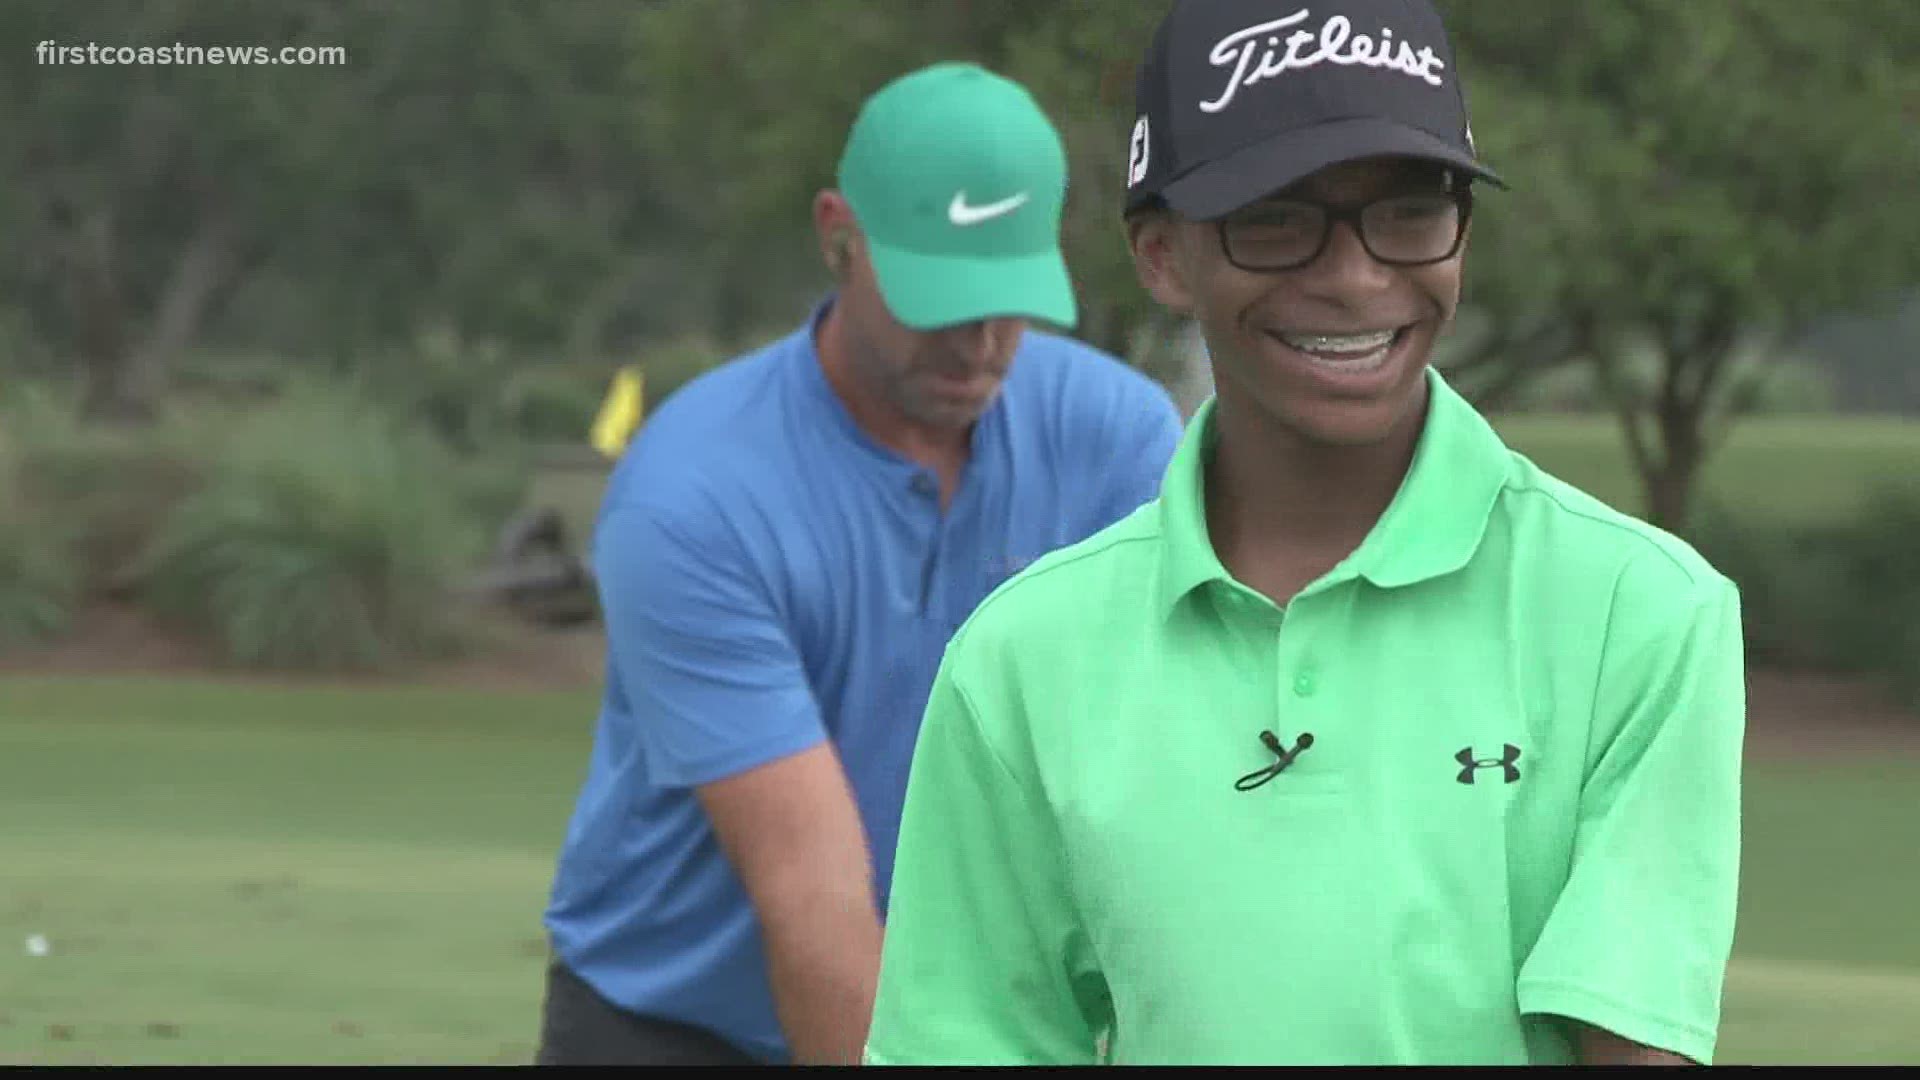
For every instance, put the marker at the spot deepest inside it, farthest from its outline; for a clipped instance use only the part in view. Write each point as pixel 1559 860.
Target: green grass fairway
pixel 250 875
pixel 1826 963
pixel 244 875
pixel 1773 470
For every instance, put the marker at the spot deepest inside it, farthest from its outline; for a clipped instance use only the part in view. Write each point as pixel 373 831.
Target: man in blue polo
pixel 1366 742
pixel 782 555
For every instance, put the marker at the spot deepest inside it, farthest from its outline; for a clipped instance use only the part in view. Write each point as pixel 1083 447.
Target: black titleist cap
pixel 1240 98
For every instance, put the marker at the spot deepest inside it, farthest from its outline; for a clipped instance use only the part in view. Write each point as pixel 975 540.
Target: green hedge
pixel 325 534
pixel 316 530
pixel 40 575
pixel 1843 596
pixel 106 488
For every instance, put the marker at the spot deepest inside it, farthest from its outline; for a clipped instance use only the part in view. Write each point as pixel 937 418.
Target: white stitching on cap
pixel 1137 153
pixel 1335 34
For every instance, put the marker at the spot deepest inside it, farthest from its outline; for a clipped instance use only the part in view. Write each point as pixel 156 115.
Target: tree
pixel 475 166
pixel 126 183
pixel 754 71
pixel 1691 183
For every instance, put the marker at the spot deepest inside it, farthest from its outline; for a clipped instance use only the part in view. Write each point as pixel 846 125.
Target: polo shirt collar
pixel 1431 528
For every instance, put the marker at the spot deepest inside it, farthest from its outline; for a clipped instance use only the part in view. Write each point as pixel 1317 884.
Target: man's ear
pixel 834 227
pixel 840 253
pixel 1154 237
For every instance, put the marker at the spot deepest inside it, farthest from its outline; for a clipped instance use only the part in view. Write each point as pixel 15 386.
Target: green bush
pixel 1782 595
pixel 479 396
pixel 39 583
pixel 236 376
pixel 672 363
pixel 40 575
pixel 105 488
pixel 554 404
pixel 448 384
pixel 1842 597
pixel 493 487
pixel 326 535
pixel 1878 619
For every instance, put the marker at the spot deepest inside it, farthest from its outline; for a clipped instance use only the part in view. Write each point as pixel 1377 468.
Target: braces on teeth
pixel 1329 343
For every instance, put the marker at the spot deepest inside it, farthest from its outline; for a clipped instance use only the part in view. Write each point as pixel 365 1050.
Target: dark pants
pixel 579 1027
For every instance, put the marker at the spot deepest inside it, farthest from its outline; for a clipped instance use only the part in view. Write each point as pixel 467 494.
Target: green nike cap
pixel 957 178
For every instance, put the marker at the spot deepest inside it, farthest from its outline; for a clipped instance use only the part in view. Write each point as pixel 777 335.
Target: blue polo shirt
pixel 772 578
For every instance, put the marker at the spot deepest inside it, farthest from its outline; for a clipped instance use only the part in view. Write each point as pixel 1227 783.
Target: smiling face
pixel 1334 351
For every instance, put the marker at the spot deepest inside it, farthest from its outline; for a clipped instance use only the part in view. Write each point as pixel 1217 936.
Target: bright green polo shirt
pixel 1521 801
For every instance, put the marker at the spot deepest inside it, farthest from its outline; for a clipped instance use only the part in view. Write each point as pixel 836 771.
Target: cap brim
pixel 1253 172
pixel 927 292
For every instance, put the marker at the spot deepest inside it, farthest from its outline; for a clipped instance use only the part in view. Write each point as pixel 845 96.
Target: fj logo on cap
pixel 1137 153
pixel 1336 43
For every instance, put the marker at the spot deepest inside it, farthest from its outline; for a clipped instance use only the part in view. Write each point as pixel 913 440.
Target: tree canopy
pixel 1690 181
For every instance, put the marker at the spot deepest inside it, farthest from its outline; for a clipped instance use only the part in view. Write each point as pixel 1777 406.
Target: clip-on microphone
pixel 1255 779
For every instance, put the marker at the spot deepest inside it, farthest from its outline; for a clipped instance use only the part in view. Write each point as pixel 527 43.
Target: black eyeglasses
pixel 1413 229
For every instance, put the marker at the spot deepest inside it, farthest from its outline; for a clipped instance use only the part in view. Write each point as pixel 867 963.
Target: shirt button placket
pixel 1299 679
pixel 927 488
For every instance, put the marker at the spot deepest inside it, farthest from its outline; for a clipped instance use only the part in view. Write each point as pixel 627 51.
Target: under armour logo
pixel 1469 765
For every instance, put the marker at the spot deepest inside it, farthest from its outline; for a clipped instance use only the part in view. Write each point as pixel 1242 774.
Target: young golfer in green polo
pixel 1367 742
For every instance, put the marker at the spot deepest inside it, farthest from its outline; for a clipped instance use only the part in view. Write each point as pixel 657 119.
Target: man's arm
pixel 722 706
pixel 794 834
pixel 1598 1046
pixel 1636 947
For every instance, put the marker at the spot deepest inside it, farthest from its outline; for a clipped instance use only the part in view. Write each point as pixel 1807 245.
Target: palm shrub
pixel 102 489
pixel 40 573
pixel 326 534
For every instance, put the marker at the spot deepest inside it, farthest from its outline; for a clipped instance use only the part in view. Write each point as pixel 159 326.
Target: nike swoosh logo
pixel 963 215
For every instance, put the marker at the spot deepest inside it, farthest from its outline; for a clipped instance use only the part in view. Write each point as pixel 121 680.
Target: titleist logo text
pixel 1336 43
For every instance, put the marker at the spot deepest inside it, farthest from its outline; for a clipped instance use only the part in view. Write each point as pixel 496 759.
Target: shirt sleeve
pixel 706 665
pixel 984 962
pixel 1639 939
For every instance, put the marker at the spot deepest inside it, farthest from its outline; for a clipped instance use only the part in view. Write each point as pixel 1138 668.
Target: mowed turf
pixel 1791 471
pixel 250 875
pixel 1826 965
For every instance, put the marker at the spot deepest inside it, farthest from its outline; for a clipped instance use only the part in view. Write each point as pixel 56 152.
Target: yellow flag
pixel 620 413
